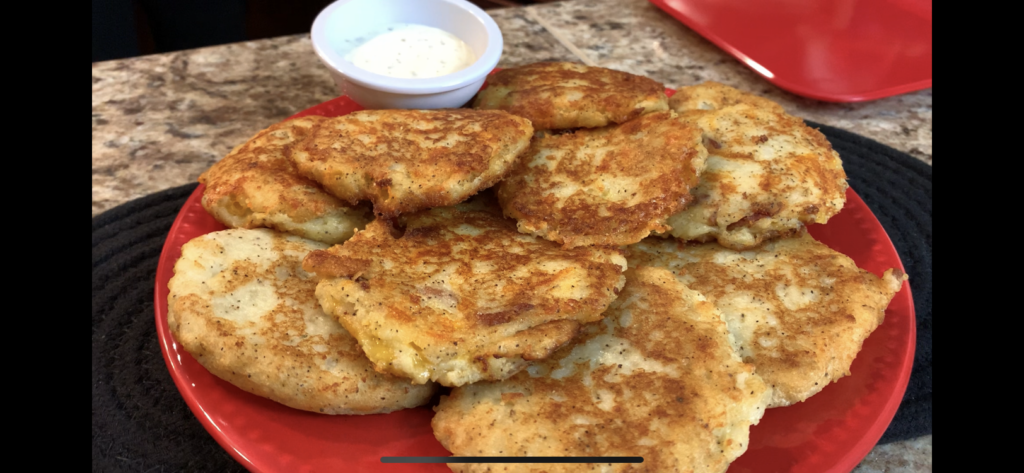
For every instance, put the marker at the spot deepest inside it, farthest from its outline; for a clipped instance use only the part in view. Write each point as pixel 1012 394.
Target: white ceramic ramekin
pixel 351 18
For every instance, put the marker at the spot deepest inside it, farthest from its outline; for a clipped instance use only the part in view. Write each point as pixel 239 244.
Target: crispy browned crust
pixel 462 296
pixel 241 304
pixel 799 310
pixel 767 174
pixel 713 96
pixel 605 186
pixel 408 160
pixel 558 95
pixel 657 378
pixel 257 185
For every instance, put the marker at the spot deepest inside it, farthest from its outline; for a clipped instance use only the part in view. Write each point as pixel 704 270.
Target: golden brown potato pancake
pixel 242 305
pixel 558 95
pixel 408 160
pixel 657 378
pixel 462 296
pixel 257 185
pixel 713 96
pixel 766 175
pixel 798 310
pixel 605 186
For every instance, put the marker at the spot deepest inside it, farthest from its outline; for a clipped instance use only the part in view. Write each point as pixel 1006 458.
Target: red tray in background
pixel 837 51
pixel 829 433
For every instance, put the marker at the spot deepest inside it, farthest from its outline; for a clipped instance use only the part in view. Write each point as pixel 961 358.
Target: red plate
pixel 839 51
pixel 831 432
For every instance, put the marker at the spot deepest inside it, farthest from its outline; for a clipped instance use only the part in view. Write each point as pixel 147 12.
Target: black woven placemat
pixel 141 423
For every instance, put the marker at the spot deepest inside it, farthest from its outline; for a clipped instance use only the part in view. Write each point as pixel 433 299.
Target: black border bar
pixel 511 459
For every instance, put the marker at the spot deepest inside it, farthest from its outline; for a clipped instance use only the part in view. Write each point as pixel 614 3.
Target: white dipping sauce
pixel 412 51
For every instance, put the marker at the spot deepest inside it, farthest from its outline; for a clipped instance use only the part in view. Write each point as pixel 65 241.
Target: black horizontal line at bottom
pixel 511 459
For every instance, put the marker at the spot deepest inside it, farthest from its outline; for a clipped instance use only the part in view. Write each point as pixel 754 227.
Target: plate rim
pixel 788 85
pixel 167 341
pixel 878 428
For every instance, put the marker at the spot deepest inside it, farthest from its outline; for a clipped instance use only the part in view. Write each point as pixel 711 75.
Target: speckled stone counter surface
pixel 159 121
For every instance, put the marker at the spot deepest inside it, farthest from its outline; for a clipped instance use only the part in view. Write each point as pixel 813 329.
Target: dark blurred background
pixel 126 28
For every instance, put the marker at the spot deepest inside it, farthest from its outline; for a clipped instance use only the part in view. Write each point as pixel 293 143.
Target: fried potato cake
pixel 657 378
pixel 714 96
pixel 559 95
pixel 766 175
pixel 605 186
pixel 242 305
pixel 257 185
pixel 798 310
pixel 462 296
pixel 408 160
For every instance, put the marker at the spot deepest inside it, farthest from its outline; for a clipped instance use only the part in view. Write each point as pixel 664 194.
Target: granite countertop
pixel 159 121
